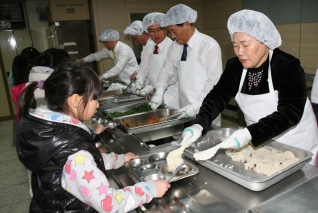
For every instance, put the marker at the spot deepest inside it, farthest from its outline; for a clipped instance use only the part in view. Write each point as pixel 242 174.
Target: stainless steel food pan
pixel 154 167
pixel 149 121
pixel 235 171
pixel 108 94
pixel 117 100
pixel 122 108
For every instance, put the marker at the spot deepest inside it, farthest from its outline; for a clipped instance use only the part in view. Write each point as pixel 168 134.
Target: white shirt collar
pixel 193 38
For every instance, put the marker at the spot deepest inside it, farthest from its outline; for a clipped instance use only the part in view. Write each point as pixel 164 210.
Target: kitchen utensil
pixel 206 154
pixel 129 85
pixel 175 172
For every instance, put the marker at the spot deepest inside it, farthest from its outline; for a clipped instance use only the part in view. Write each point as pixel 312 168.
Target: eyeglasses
pixel 156 30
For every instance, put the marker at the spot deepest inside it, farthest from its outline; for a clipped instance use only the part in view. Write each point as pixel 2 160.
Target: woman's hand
pixel 162 187
pixel 130 156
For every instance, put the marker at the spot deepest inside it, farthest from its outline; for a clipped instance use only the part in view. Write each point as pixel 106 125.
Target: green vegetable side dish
pixel 142 108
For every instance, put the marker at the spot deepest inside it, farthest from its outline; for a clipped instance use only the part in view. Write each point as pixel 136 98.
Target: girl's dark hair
pixel 21 65
pixel 51 58
pixel 29 50
pixel 69 78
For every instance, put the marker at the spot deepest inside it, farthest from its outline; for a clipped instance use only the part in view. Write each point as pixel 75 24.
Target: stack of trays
pixel 154 167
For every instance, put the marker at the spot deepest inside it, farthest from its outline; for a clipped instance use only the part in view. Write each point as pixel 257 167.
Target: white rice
pixel 263 160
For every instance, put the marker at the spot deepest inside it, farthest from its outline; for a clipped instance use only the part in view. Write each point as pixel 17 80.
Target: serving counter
pixel 208 191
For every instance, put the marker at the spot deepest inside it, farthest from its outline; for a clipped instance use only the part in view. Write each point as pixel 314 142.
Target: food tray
pixel 120 99
pixel 149 121
pixel 108 94
pixel 154 167
pixel 122 108
pixel 222 164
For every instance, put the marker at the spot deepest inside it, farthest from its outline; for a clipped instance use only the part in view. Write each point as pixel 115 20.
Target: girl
pixel 68 171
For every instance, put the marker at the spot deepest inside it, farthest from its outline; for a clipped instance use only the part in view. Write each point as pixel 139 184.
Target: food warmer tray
pixel 154 167
pixel 148 121
pixel 123 108
pixel 121 99
pixel 109 94
pixel 235 171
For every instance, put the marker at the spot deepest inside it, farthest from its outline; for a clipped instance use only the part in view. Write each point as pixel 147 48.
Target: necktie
pixel 184 53
pixel 156 50
pixel 114 54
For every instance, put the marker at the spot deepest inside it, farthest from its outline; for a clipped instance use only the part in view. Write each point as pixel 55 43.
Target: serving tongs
pixel 129 85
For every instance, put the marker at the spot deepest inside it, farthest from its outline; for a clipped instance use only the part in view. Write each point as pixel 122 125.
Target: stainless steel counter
pixel 208 191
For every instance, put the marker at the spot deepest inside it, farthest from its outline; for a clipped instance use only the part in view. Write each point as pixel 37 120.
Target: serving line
pixel 206 191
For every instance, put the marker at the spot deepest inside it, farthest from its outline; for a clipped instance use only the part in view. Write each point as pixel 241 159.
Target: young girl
pixel 68 171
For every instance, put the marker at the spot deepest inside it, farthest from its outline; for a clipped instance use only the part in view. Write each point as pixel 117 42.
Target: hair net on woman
pixel 255 24
pixel 179 14
pixel 151 19
pixel 109 35
pixel 134 28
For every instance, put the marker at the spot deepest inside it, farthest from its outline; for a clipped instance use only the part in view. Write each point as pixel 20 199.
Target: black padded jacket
pixel 43 147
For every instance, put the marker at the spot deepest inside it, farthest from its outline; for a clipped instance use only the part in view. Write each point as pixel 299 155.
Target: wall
pixel 296 21
pixel 37 27
pixel 115 14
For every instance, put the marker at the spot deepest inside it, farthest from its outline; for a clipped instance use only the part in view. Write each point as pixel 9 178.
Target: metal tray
pixel 221 163
pixel 139 122
pixel 120 99
pixel 154 167
pixel 108 94
pixel 122 108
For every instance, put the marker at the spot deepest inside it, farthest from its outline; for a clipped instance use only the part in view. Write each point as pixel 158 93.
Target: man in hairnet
pixel 122 55
pixel 152 59
pixel 269 86
pixel 137 32
pixel 194 58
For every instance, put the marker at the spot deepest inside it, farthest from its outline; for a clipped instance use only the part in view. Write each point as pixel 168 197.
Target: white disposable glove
pixel 237 140
pixel 156 101
pixel 139 83
pixel 187 112
pixel 191 134
pixel 147 90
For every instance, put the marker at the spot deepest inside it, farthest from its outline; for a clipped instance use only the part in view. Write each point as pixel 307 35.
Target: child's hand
pixel 98 128
pixel 162 187
pixel 129 156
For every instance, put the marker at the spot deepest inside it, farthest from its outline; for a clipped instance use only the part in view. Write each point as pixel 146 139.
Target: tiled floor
pixel 14 195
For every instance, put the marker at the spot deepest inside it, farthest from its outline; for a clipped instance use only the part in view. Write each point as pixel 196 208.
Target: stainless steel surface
pixel 108 94
pixel 235 171
pixel 206 191
pixel 302 198
pixel 154 167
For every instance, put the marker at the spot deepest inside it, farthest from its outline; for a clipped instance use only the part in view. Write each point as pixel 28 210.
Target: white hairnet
pixel 151 19
pixel 179 14
pixel 255 24
pixel 134 28
pixel 109 35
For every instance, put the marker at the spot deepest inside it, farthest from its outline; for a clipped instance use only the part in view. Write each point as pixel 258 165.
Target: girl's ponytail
pixel 27 100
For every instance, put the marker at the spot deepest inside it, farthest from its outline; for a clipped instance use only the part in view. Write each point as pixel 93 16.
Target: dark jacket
pixel 43 147
pixel 288 79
